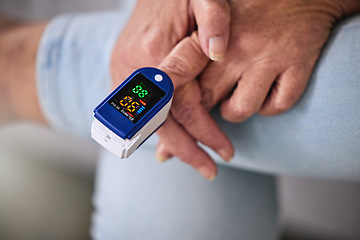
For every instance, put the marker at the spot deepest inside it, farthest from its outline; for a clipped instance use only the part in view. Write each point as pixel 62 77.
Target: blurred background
pixel 46 178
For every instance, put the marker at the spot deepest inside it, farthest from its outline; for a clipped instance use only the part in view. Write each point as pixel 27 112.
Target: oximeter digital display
pixel 133 111
pixel 137 97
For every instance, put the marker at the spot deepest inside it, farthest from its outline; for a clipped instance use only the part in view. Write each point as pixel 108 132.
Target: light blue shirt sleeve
pixel 73 67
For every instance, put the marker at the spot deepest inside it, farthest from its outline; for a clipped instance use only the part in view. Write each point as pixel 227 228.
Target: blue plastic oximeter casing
pixel 133 111
pixel 120 124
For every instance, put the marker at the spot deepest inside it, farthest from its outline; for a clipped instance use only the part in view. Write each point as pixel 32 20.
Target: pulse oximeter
pixel 133 111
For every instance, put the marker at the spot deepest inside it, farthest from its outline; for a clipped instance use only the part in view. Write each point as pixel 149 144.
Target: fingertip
pixel 207 172
pixel 161 154
pixel 226 154
pixel 161 157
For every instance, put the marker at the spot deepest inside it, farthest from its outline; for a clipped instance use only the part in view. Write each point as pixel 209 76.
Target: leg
pixel 140 198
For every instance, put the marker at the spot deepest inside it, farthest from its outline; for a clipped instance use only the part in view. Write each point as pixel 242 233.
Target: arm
pixel 18 47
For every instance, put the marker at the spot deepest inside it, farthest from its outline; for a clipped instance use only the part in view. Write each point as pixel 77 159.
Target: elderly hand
pixel 273 48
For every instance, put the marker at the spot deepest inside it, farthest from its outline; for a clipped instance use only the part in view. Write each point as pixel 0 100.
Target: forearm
pixel 73 67
pixel 7 23
pixel 18 48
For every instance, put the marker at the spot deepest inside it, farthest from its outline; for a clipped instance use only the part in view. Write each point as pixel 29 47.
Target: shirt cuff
pixel 73 67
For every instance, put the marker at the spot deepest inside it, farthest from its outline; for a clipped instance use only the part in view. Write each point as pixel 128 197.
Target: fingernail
pixel 161 157
pixel 217 48
pixel 207 173
pixel 225 155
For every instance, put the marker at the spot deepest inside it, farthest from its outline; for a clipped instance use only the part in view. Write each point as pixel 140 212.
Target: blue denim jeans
pixel 139 198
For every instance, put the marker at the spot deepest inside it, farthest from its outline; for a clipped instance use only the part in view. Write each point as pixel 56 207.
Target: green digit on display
pixel 137 89
pixel 143 93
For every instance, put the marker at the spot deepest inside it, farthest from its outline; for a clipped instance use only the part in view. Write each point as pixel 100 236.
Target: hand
pixel 271 54
pixel 189 122
pixel 157 26
pixel 272 51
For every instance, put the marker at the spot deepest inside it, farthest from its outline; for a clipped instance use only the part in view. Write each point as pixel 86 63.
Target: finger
pixel 213 20
pixel 185 61
pixel 162 154
pixel 217 81
pixel 188 111
pixel 182 145
pixel 249 95
pixel 286 91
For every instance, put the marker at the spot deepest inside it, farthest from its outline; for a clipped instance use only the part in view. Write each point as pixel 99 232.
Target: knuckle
pixel 176 66
pixel 186 155
pixel 209 140
pixel 219 12
pixel 207 97
pixel 152 51
pixel 182 113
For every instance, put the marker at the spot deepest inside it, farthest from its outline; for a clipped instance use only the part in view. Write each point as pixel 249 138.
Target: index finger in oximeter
pixel 133 111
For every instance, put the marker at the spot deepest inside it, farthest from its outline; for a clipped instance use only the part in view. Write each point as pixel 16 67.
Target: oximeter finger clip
pixel 133 111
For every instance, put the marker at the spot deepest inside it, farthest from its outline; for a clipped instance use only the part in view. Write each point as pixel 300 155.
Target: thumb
pixel 213 19
pixel 185 62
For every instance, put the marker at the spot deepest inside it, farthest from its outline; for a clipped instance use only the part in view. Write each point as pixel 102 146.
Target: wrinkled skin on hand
pixel 273 48
pixel 155 27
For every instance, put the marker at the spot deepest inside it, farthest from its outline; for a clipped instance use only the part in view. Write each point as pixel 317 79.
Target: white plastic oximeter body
pixel 133 111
